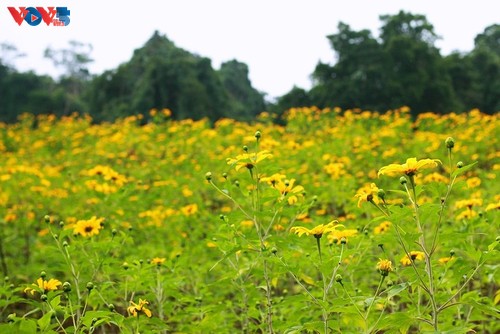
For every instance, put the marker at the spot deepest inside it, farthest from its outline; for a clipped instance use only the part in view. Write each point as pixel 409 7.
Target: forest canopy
pixel 402 66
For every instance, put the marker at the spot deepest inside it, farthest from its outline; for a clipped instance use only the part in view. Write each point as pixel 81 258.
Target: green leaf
pixel 27 326
pixel 492 246
pixel 56 301
pixel 396 289
pixel 460 171
pixel 44 321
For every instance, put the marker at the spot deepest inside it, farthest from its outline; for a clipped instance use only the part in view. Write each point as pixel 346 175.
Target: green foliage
pixel 401 68
pixel 161 75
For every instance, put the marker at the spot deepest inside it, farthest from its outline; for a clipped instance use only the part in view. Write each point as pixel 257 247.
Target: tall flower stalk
pixel 426 245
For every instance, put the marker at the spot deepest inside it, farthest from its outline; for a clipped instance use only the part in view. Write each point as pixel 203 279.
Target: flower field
pixel 340 221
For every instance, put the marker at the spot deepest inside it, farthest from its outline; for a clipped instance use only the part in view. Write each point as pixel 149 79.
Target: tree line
pixel 400 67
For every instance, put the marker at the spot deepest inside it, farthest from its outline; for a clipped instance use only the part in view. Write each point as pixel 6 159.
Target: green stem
pixel 2 255
pixel 428 264
pixel 375 296
pixel 318 243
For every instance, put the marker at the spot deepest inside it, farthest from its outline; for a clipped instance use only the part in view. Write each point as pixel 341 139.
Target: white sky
pixel 280 40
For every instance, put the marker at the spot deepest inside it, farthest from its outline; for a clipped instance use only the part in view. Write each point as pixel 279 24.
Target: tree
pixel 74 61
pixel 161 75
pixel 8 54
pixel 356 80
pixel 401 68
pixel 485 60
pixel 296 97
pixel 26 92
pixel 245 101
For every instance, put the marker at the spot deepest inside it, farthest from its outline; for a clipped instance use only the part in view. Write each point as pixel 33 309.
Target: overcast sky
pixel 280 40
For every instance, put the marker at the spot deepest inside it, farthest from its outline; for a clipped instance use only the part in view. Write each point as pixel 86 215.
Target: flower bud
pixel 338 278
pixel 65 243
pixel 90 286
pixel 46 218
pixel 44 298
pixel 460 164
pixel 61 224
pixel 403 180
pixel 114 232
pixel 111 307
pixel 450 143
pixel 245 148
pixel 274 250
pixel 125 265
pixel 258 135
pixel 66 287
pixel 208 176
pixel 224 175
pixel 452 252
pixel 43 274
pixel 11 317
pixel 381 194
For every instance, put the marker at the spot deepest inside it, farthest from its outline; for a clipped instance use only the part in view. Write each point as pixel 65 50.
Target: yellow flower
pixel 287 188
pixel 368 193
pixel 134 309
pixel 467 214
pixel 248 160
pixel 445 260
pixel 384 267
pixel 468 203
pixel 383 227
pixel 189 209
pixel 43 286
pixel 273 179
pixel 492 206
pixel 88 228
pixel 337 236
pixel 414 255
pixel 410 168
pixel 435 177
pixel 157 260
pixel 473 182
pixel 317 231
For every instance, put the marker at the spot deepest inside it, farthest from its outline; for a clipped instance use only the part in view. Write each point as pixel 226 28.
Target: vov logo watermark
pixel 55 16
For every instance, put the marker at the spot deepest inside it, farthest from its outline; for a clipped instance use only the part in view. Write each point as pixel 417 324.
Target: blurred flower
pixel 88 228
pixel 410 168
pixel 473 182
pixel 435 177
pixel 189 209
pixel 414 255
pixel 467 214
pixel 445 260
pixel 468 203
pixel 135 309
pixel 338 236
pixel 383 227
pixel 157 260
pixel 492 206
